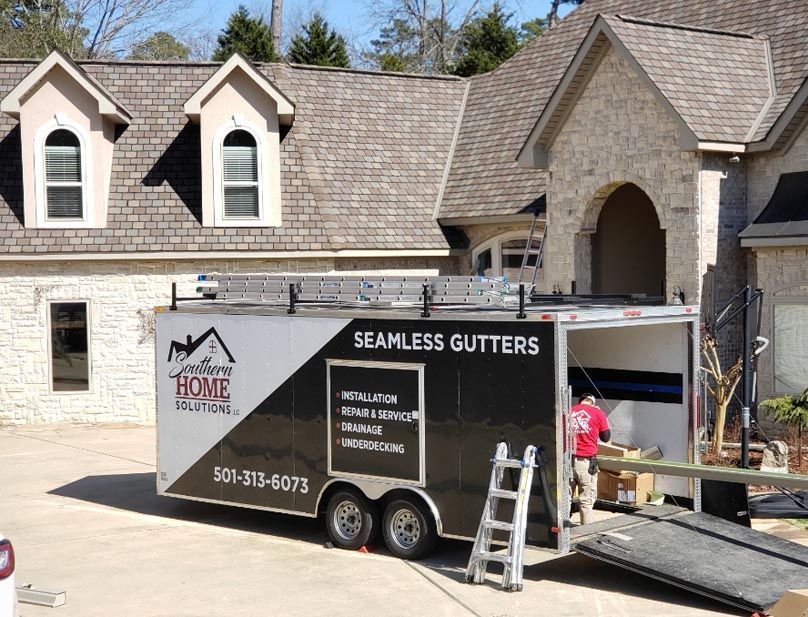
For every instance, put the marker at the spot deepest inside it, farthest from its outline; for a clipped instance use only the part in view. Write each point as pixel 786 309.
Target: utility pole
pixel 275 24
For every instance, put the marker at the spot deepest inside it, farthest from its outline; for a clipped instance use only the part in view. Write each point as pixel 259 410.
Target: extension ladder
pixel 513 560
pixel 531 250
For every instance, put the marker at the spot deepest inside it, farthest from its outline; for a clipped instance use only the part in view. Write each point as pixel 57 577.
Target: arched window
pixel 240 175
pixel 64 190
pixel 502 256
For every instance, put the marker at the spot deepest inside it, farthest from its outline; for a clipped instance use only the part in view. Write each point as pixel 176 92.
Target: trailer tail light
pixel 632 313
pixel 688 309
pixel 554 529
pixel 6 559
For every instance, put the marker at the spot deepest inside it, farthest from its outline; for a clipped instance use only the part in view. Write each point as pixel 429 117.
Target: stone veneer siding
pixel 121 296
pixel 617 133
pixel 776 269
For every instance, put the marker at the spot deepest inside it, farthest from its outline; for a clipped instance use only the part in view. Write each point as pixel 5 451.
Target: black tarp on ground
pixel 705 554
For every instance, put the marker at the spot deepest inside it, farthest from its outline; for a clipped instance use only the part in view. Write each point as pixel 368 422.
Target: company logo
pixel 202 369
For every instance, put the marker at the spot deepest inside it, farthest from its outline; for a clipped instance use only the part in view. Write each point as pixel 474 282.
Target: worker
pixel 588 424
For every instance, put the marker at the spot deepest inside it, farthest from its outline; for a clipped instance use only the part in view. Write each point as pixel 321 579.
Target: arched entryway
pixel 628 246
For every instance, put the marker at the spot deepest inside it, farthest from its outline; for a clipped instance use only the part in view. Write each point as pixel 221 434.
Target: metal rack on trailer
pixel 380 401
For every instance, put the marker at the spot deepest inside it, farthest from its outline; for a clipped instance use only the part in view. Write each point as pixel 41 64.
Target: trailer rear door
pixel 705 554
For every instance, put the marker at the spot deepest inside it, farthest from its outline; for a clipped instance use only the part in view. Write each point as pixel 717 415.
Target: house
pixel 663 144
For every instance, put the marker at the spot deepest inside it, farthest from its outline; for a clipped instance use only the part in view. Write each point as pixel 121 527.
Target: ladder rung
pixel 500 557
pixel 502 493
pixel 501 525
pixel 508 462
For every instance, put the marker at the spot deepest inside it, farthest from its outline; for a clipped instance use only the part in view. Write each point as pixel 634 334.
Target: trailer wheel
pixel 409 530
pixel 351 519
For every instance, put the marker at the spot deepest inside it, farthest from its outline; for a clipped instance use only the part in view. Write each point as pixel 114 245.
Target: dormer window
pixel 240 113
pixel 240 176
pixel 64 187
pixel 68 123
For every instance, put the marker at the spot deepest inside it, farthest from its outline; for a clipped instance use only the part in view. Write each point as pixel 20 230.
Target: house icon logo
pixel 190 345
pixel 202 369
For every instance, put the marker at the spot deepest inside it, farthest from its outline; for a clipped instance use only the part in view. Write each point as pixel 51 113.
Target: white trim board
pixel 230 255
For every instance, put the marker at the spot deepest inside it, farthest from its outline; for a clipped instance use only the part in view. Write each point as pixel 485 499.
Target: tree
pixel 418 36
pixel 531 30
pixel 793 411
pixel 160 46
pixel 276 15
pixel 318 45
pixel 552 16
pixel 486 42
pixel 723 387
pixel 33 28
pixel 246 35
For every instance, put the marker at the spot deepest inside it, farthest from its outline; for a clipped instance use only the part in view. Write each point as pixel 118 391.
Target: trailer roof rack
pixel 394 291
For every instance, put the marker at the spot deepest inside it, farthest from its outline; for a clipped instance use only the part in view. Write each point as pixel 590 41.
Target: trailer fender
pixel 377 490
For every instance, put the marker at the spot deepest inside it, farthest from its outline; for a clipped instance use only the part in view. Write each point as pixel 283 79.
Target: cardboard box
pixel 636 487
pixel 618 449
pixel 794 603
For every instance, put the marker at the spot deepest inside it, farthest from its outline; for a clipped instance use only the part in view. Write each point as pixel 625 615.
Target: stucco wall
pixel 121 296
pixel 616 133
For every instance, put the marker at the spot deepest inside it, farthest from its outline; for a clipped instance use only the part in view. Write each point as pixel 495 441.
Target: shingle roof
pixel 360 169
pixel 717 81
pixel 503 105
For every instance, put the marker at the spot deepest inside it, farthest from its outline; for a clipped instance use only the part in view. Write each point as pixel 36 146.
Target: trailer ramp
pixel 699 552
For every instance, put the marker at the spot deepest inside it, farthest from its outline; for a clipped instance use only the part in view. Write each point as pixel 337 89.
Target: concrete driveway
pixel 80 507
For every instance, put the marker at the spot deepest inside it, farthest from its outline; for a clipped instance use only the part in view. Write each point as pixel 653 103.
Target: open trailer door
pixel 703 553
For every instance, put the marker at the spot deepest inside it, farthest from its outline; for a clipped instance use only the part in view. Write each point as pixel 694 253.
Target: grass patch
pixel 802 523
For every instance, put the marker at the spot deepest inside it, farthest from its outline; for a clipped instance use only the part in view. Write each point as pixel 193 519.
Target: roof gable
pixel 715 85
pixel 108 105
pixel 193 106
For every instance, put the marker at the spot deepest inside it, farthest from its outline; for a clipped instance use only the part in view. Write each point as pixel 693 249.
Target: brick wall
pixel 121 296
pixel 616 133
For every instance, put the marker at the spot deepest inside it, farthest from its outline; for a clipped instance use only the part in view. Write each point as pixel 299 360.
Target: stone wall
pixel 617 133
pixel 121 296
pixel 782 272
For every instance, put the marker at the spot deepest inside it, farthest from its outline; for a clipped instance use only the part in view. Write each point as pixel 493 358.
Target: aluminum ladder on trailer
pixel 481 554
pixel 360 290
pixel 531 250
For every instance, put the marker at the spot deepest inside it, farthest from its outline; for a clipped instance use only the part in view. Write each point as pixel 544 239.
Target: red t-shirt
pixel 587 422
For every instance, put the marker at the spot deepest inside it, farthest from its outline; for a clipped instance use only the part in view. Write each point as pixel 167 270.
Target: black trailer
pixel 385 420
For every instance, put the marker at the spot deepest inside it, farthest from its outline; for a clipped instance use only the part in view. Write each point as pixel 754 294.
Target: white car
pixel 8 595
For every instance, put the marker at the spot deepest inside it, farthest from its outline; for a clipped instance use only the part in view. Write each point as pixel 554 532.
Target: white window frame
pixel 238 122
pixel 495 244
pixel 775 302
pixel 60 121
pixel 48 304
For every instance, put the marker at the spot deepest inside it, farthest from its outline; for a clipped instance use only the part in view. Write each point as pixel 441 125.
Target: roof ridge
pixel 677 26
pixel 354 70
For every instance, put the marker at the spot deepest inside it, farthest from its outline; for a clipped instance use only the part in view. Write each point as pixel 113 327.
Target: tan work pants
pixel 587 484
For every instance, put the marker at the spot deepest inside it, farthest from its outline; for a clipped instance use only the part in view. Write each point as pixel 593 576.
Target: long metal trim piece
pixel 704 472
pixel 28 594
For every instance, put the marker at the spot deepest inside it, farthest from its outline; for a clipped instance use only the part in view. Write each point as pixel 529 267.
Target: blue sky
pixel 353 18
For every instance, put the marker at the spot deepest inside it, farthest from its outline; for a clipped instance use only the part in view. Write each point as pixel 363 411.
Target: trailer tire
pixel 351 519
pixel 409 529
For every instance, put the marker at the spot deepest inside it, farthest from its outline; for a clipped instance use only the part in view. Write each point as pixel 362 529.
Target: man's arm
pixel 605 434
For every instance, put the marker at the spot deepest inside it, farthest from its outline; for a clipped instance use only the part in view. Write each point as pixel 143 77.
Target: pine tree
pixel 160 46
pixel 486 42
pixel 319 45
pixel 249 36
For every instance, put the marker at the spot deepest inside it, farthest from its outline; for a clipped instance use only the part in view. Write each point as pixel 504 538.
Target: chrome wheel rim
pixel 405 530
pixel 347 520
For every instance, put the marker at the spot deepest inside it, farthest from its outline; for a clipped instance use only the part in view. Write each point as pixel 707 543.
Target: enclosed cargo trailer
pixel 386 419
